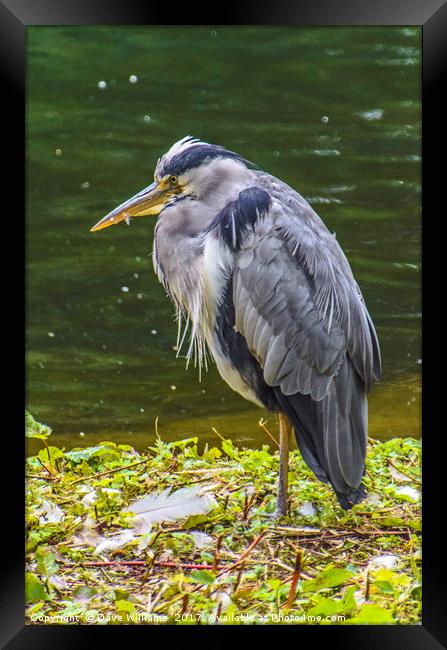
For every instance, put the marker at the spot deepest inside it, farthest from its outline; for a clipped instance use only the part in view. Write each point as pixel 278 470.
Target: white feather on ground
pixel 152 508
pixel 168 506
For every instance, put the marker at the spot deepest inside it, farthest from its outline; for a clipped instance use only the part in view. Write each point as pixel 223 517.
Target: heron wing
pixel 301 326
pixel 303 318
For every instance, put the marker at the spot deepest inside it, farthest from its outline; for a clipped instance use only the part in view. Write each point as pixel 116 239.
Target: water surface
pixel 335 112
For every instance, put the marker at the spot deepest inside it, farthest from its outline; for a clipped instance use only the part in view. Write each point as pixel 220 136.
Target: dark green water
pixel 335 112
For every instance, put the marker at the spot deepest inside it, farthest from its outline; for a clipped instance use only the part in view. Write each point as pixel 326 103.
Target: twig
pixel 401 471
pixel 262 424
pixel 184 604
pixel 322 535
pixel 173 565
pixel 217 553
pixel 367 585
pixel 247 552
pixel 295 578
pixel 297 531
pixel 218 434
pixel 50 470
pixel 209 470
pixel 248 502
pixel 110 471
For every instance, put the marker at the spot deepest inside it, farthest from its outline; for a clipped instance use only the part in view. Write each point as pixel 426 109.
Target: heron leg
pixel 285 429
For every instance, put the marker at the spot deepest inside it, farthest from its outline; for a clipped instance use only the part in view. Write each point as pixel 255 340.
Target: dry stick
pixel 217 554
pixel 238 580
pixel 295 578
pixel 248 502
pixel 174 565
pixel 110 471
pixel 311 536
pixel 262 424
pixel 185 600
pixel 296 531
pixel 50 471
pixel 200 471
pixel 45 444
pixel 247 551
pixel 72 527
pixel 401 471
pixel 199 480
pixel 367 585
pixel 219 610
pixel 218 434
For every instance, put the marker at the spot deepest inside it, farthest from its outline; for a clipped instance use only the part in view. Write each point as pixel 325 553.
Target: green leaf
pixel 46 562
pixel 211 454
pixel 373 615
pixel 34 589
pixel 50 454
pixel 329 606
pixel 228 448
pixel 349 601
pixel 204 577
pixel 327 579
pixel 196 520
pixel 34 429
pixel 78 455
pixel 181 444
pixel 326 607
pixel 384 585
pixel 126 448
pixel 394 577
pixel 125 606
pixel 393 522
pixel 105 451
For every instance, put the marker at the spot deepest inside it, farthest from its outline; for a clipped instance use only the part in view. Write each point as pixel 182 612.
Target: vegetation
pixel 92 560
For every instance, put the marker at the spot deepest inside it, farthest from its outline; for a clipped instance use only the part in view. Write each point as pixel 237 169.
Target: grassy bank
pixel 91 560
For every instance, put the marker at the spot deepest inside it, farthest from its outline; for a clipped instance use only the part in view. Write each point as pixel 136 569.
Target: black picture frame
pixel 431 16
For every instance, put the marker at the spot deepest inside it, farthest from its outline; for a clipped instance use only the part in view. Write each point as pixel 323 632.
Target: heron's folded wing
pixel 302 316
pixel 300 309
pixel 276 312
pixel 303 346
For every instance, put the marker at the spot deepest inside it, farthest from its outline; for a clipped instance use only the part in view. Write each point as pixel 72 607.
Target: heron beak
pixel 151 200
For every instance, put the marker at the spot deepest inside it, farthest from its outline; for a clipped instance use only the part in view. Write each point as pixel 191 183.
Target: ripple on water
pixel 372 115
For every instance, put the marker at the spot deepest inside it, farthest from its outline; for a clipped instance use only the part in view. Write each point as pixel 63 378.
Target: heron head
pixel 191 168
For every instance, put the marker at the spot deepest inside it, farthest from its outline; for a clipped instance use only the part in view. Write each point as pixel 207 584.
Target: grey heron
pixel 268 291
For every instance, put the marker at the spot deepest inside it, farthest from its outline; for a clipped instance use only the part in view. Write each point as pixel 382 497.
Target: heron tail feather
pixel 331 433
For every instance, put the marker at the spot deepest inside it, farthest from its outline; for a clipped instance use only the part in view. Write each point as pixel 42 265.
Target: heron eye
pixel 173 180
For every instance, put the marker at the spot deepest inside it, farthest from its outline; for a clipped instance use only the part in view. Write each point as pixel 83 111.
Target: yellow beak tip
pixel 100 225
